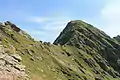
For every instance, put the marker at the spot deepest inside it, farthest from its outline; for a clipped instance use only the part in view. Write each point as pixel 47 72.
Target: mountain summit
pixel 105 50
pixel 81 52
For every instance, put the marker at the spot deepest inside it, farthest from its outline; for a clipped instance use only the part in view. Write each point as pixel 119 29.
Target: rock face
pixel 11 64
pixel 17 57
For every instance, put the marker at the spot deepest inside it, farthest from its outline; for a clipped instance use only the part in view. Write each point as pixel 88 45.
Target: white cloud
pixel 50 27
pixel 55 25
pixel 111 16
pixel 37 19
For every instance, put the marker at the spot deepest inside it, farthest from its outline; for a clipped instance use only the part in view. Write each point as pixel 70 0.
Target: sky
pixel 45 19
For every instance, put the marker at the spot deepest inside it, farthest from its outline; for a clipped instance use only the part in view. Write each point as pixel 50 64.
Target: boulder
pixel 2 56
pixel 98 78
pixel 17 57
pixel 14 27
pixel 32 59
pixel 7 23
pixel 2 62
pixel 10 60
pixel 28 52
pixel 1 49
pixel 38 58
pixel 20 67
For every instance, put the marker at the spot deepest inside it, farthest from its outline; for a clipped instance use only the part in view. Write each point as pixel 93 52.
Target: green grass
pixel 55 62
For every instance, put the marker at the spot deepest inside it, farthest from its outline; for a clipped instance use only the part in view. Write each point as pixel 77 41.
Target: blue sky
pixel 45 19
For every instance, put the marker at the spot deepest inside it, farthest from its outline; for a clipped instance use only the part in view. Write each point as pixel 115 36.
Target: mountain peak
pixel 76 24
pixel 78 28
pixel 93 41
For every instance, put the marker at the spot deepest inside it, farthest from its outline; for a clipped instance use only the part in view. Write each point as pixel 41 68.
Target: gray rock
pixel 7 23
pixel 2 56
pixel 2 62
pixel 98 78
pixel 20 67
pixel 8 68
pixel 10 60
pixel 17 57
pixel 38 58
pixel 2 49
pixel 28 52
pixel 11 64
pixel 32 59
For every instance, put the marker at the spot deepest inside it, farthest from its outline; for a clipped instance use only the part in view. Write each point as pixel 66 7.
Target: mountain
pixel 81 52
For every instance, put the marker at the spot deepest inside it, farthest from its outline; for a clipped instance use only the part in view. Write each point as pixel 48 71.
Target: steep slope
pixel 79 57
pixel 94 42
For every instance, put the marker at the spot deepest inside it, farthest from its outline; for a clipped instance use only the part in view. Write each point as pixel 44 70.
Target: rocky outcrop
pixel 11 64
pixel 13 26
pixel 17 57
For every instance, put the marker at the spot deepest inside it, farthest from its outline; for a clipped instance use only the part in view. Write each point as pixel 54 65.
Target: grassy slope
pixel 51 62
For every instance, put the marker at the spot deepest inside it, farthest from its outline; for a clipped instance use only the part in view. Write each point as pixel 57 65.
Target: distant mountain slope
pixel 82 52
pixel 94 42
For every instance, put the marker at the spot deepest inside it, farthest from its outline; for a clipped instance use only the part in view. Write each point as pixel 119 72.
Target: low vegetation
pixel 81 52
